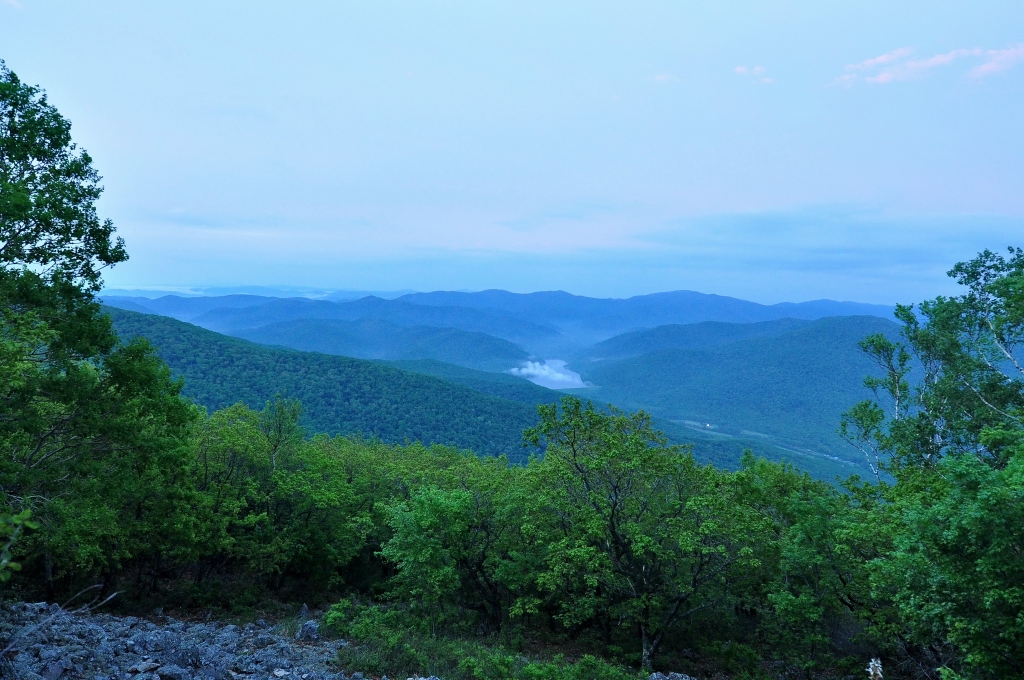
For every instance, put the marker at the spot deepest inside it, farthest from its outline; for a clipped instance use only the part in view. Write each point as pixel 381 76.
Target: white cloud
pixel 749 70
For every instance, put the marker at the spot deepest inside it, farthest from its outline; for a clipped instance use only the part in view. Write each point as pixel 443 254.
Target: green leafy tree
pixel 953 445
pixel 91 430
pixel 643 535
pixel 817 591
pixel 465 547
pixel 48 189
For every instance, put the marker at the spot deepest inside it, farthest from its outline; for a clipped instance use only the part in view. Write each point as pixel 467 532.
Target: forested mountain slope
pixel 339 394
pixel 791 388
pixel 377 339
pixel 683 336
pixel 233 313
pixel 503 385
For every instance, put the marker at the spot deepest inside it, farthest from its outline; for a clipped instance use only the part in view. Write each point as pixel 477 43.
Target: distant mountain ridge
pixel 605 317
pixel 545 324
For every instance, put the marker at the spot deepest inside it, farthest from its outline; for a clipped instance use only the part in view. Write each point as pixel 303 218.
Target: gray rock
pixel 55 669
pixel 144 667
pixel 309 632
pixel 172 672
pixel 670 676
pixel 187 655
pixel 264 640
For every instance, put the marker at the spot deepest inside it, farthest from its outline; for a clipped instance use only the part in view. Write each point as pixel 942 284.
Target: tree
pixel 642 533
pixel 954 445
pixel 91 430
pixel 461 546
pixel 48 190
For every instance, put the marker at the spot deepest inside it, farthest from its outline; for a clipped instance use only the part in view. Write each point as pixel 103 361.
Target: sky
pixel 773 151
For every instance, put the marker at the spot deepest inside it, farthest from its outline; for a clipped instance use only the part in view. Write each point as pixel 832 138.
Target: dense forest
pixel 612 554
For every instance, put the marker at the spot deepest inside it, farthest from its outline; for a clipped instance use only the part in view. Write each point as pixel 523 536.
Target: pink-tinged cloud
pixel 881 60
pixel 999 60
pixel 919 67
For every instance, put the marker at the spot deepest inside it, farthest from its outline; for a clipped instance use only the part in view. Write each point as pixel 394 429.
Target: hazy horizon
pixel 349 294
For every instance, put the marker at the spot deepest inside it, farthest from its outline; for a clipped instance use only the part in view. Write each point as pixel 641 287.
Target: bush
pixel 388 640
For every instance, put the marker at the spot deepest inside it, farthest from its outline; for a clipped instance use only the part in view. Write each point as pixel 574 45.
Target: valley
pixel 469 369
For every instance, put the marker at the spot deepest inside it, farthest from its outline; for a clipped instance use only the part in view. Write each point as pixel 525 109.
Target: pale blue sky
pixel 767 150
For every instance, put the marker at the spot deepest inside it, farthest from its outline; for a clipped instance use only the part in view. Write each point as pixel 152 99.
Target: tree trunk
pixel 647 650
pixel 649 645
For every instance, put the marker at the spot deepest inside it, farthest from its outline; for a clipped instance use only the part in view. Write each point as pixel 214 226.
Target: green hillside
pixel 502 385
pixel 683 336
pixel 339 394
pixel 789 389
pixel 378 339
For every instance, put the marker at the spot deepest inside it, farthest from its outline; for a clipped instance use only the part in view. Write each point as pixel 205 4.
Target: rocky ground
pixel 44 641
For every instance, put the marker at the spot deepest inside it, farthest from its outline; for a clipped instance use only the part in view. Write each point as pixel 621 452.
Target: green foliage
pixel 10 527
pixel 954 445
pixel 644 535
pixel 48 223
pixel 955 569
pixel 390 640
pixel 91 430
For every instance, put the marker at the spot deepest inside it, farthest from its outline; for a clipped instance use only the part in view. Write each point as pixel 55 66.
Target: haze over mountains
pixel 721 372
pixel 546 324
